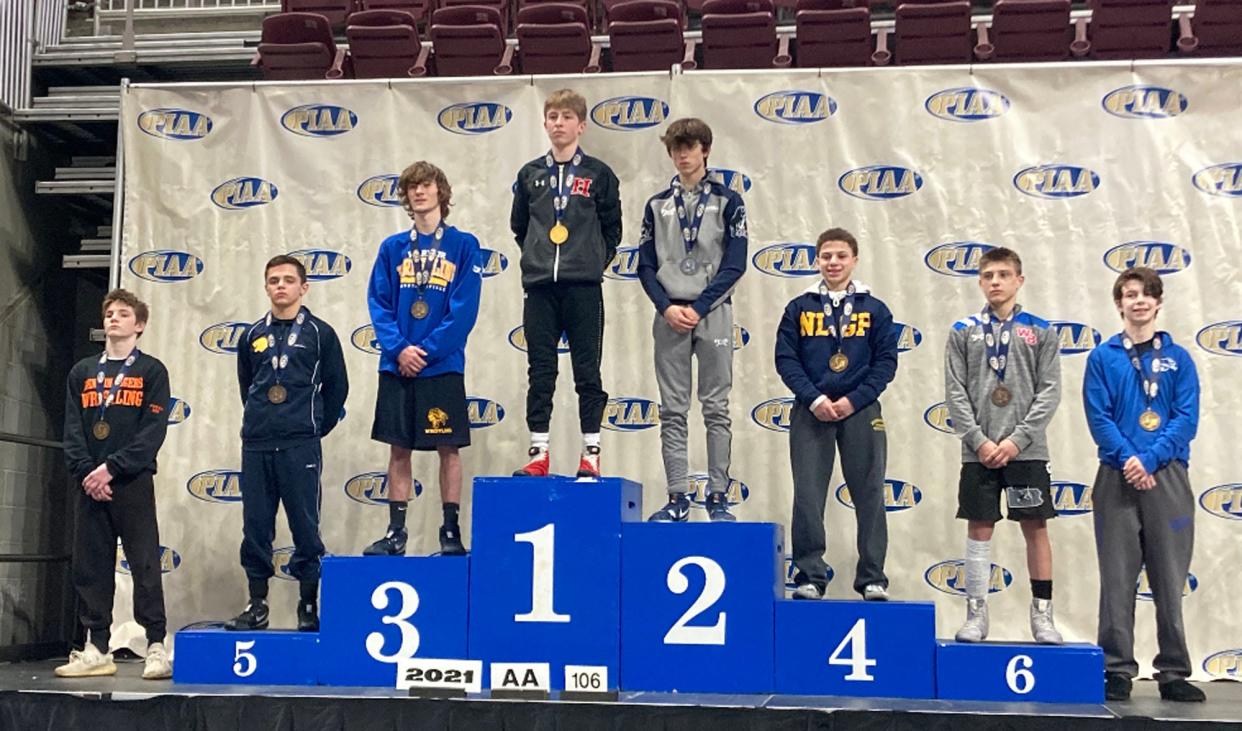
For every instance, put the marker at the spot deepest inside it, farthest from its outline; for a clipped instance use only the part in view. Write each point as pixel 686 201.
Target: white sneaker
pixel 808 591
pixel 1042 627
pixel 875 593
pixel 975 628
pixel 157 665
pixel 87 662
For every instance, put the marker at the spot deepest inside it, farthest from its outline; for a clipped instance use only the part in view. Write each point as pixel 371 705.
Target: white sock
pixel 978 568
pixel 590 440
pixel 539 439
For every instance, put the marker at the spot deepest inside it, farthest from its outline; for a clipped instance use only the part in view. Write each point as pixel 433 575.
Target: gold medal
pixel 419 309
pixel 559 234
pixel 1149 420
pixel 1001 396
pixel 101 430
pixel 277 394
pixel 838 362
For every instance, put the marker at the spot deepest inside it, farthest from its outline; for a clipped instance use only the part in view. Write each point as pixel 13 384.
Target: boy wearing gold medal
pixel 1141 394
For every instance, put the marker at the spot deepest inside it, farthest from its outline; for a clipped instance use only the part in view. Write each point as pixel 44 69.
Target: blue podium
pixel 546 571
pixel 218 656
pixel 856 648
pixel 697 606
pixel 379 610
pixel 995 671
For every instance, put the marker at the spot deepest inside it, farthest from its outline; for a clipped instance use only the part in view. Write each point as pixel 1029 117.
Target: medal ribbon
pixel 690 227
pixel 105 402
pixel 1151 384
pixel 280 358
pixel 561 183
pixel 422 261
pixel 840 312
pixel 998 343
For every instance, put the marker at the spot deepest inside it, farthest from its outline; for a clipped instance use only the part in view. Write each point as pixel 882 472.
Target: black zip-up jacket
pixel 137 418
pixel 593 218
pixel 315 380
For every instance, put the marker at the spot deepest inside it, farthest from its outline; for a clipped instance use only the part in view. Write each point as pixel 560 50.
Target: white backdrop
pixel 953 144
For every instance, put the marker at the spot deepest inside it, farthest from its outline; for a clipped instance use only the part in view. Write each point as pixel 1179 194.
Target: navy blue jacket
pixel 805 341
pixel 315 378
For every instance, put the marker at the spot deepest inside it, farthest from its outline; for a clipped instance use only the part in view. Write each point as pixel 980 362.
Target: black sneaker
pixel 254 617
pixel 677 510
pixel 450 541
pixel 308 616
pixel 718 508
pixel 392 544
pixel 1181 691
pixel 1117 686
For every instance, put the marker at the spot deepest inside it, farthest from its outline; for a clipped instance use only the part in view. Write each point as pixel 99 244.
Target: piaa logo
pixel 957 258
pixel 1071 498
pixel 178 411
pixel 1144 102
pixel 795 107
pixel 1221 338
pixel 319 120
pixel 371 488
pixel 1056 181
pixel 166 265
pixel 950 577
pixel 966 104
pixel 786 260
pixel 364 339
pixel 517 338
pixel 791 571
pixel 474 118
pixel 1226 665
pixel 908 337
pixel 1162 256
pixel 483 413
pixel 239 194
pixel 169 561
pixel 624 265
pixel 898 495
pixel 1223 501
pixel 880 182
pixel 1075 337
pixel 731 179
pixel 222 337
pixel 736 493
pixel 323 264
pixel 169 123
pixel 629 113
pixel 630 414
pixel 1144 586
pixel 216 486
pixel 280 563
pixel 1223 180
pixel 937 417
pixel 741 337
pixel 492 262
pixel 773 414
pixel 379 191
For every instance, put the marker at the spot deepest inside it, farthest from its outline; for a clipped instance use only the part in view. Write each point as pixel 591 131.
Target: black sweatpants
pixel 269 478
pixel 130 516
pixel 578 311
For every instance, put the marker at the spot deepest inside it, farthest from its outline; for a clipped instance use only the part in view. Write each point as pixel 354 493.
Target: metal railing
pixel 25 27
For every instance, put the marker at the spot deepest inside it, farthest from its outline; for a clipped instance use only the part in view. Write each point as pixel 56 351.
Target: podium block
pixel 855 648
pixel 545 583
pixel 379 610
pixel 217 656
pixel 697 606
pixel 994 671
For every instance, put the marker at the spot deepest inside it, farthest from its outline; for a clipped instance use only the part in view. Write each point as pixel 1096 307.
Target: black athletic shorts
pixel 980 491
pixel 421 413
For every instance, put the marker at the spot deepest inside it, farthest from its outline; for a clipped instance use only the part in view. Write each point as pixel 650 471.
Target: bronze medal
pixel 101 430
pixel 277 394
pixel 559 234
pixel 419 309
pixel 1001 396
pixel 1149 420
pixel 838 362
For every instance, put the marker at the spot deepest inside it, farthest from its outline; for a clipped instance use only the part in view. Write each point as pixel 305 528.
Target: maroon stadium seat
pixel 299 46
pixel 645 35
pixel 1216 29
pixel 741 34
pixel 384 44
pixel 501 6
pixel 932 33
pixel 1027 30
pixel 468 41
pixel 420 9
pixel 336 11
pixel 555 38
pixel 1122 29
pixel 831 33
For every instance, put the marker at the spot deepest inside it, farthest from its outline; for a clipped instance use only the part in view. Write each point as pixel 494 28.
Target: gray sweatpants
pixel 711 342
pixel 1134 528
pixel 864 452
